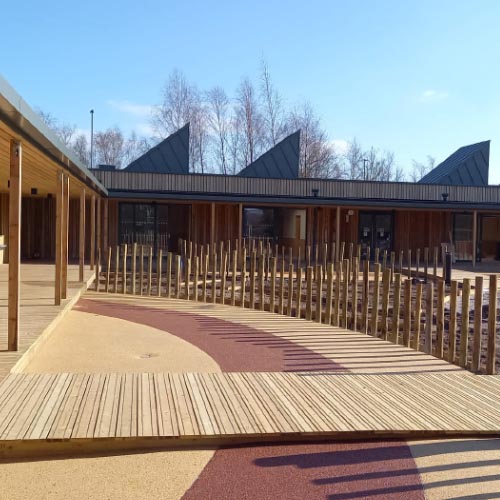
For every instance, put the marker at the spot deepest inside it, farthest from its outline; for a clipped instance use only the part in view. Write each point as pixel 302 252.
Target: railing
pixel 399 298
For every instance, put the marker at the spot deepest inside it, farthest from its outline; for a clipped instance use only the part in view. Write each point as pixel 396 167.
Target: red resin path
pixel 350 470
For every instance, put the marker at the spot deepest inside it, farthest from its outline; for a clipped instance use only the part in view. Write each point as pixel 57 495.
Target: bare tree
pixel 109 146
pixel 420 169
pixel 317 156
pixel 354 161
pixel 219 123
pixel 133 147
pixel 81 148
pixel 64 131
pixel 247 110
pixel 273 121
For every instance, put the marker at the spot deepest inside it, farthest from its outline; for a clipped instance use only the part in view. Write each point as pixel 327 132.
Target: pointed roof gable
pixel 170 156
pixel 468 166
pixel 280 162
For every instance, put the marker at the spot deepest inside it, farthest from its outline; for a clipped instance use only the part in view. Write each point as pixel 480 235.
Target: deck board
pixel 238 406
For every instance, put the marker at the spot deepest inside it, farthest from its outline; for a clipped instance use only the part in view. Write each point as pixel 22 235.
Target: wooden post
pixel 345 293
pixel 407 313
pixel 141 271
pixel 464 327
pixel 81 238
pixel 92 232
pixel 426 262
pixel 205 264
pixel 98 222
pixel 196 272
pixel 386 283
pixel 492 324
pixel 418 315
pixel 395 308
pixel 417 272
pixel 117 269
pixel 478 324
pixel 59 237
pixel 97 270
pixel 14 245
pixel 65 237
pixel 243 275
pixel 252 279
pixel 168 284
pixel 366 297
pixel 298 312
pixel 272 299
pixel 214 277
pixel 290 290
pixel 337 233
pixel 309 276
pixel 337 299
pixel 108 269
pixel 376 286
pixel 234 271
pixel 400 264
pixel 440 321
pixel 281 298
pixel 212 225
pixel 187 277
pixel 150 271
pixel 261 282
pixel 329 294
pixel 133 277
pixel 429 315
pixel 159 269
pixel 319 294
pixel 409 263
pixel 452 325
pixel 435 264
pixel 354 305
pixel 124 270
pixel 177 276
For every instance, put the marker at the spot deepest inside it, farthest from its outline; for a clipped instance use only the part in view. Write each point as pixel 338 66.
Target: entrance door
pixel 375 230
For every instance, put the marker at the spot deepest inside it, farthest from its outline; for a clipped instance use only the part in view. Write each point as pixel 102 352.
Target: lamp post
pixel 91 138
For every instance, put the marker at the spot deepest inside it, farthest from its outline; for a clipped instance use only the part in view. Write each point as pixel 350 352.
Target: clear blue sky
pixel 415 77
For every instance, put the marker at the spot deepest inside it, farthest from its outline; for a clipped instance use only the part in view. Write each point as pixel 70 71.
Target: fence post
pixel 243 277
pixel 366 296
pixel 234 271
pixel 417 273
pixel 440 321
pixel 464 327
pixel 177 276
pixel 386 283
pixel 329 294
pixel 492 324
pixel 418 315
pixel 195 277
pixel 309 275
pixel 261 276
pixel 407 313
pixel 478 324
pixel 108 268
pixel 159 270
pixel 429 317
pixel 299 292
pixel 150 270
pixel 187 275
pixel 272 298
pixel 396 304
pixel 223 277
pixel 319 293
pixel 252 280
pixel 213 297
pixel 281 299
pixel 117 268
pixel 426 263
pixel 435 264
pixel 133 277
pixel 345 294
pixel 169 274
pixel 452 325
pixel 290 290
pixel 409 263
pixel 376 286
pixel 98 270
pixel 124 274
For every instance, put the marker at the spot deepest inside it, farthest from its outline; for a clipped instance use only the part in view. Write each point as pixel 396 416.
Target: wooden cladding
pixel 302 188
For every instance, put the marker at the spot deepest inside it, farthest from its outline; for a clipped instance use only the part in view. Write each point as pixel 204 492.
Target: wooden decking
pixel 240 407
pixel 38 314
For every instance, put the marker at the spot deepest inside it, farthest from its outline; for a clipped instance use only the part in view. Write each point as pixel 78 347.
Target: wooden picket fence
pixel 406 304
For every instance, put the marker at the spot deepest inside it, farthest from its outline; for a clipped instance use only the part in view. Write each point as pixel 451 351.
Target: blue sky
pixel 415 77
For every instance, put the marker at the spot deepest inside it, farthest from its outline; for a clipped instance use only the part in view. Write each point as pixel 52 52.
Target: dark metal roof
pixel 280 162
pixel 170 156
pixel 468 166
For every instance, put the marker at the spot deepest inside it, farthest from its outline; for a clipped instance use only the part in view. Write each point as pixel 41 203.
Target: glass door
pixel 462 236
pixel 376 230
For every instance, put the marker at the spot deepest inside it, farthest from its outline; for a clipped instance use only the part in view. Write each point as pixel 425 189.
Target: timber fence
pixel 397 297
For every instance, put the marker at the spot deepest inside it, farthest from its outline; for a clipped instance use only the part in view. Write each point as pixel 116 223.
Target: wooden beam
pixel 14 244
pixel 240 225
pixel 337 232
pixel 59 234
pixel 81 242
pixel 65 231
pixel 92 232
